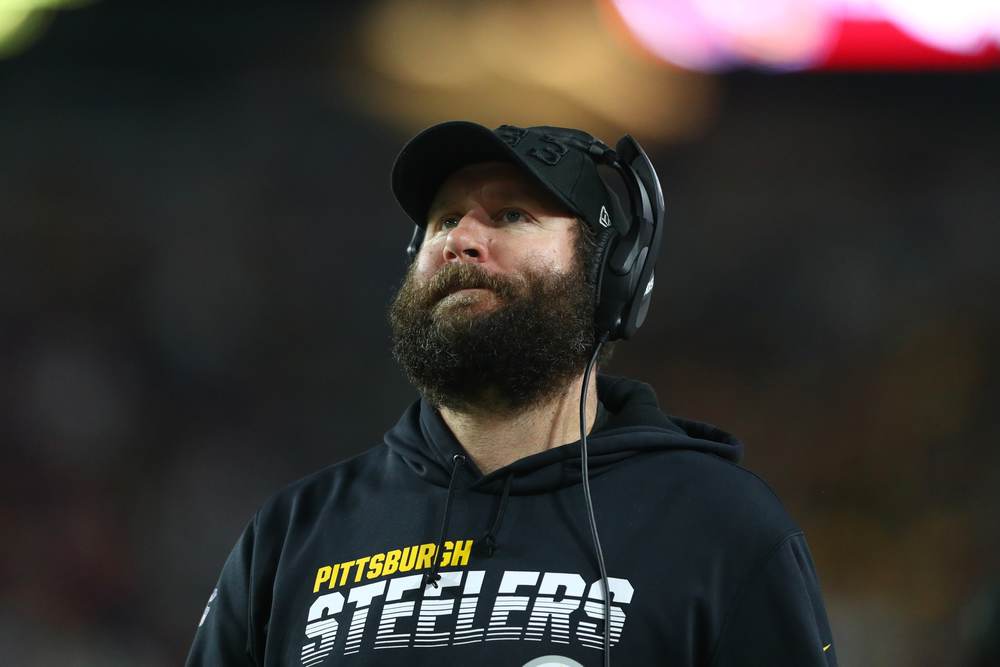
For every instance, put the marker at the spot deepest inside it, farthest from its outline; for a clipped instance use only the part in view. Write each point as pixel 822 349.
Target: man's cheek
pixel 428 260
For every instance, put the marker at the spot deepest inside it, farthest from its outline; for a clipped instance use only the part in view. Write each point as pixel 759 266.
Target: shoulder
pixel 306 497
pixel 730 502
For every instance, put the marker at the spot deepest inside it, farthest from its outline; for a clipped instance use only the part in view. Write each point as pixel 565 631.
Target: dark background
pixel 198 243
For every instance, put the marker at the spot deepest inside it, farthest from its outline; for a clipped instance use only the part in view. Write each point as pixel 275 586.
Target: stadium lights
pixel 711 35
pixel 530 62
pixel 24 21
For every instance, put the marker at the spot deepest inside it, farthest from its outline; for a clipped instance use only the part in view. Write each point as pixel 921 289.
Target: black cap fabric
pixel 561 160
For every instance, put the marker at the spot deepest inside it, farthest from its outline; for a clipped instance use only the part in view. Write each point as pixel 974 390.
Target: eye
pixel 513 215
pixel 449 222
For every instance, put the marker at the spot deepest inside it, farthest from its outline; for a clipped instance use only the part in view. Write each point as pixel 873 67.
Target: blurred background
pixel 198 243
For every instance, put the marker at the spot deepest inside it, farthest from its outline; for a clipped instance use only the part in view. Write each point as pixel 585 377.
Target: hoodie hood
pixel 635 425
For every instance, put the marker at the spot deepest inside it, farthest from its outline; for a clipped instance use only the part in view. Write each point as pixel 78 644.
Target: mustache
pixel 454 277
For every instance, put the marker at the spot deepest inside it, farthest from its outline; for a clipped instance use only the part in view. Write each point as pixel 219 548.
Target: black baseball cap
pixel 563 161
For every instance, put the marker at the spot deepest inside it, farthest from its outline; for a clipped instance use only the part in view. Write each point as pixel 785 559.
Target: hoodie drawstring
pixel 490 538
pixel 432 576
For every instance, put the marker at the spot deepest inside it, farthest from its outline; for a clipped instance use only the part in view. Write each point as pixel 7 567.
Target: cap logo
pixel 604 219
pixel 551 151
pixel 510 134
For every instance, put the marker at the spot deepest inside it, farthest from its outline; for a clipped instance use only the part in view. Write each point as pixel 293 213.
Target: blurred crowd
pixel 193 276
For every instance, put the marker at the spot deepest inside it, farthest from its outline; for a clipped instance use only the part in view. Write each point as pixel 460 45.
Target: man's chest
pixel 538 594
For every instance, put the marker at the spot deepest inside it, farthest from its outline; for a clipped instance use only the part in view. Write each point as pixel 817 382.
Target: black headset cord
pixel 584 473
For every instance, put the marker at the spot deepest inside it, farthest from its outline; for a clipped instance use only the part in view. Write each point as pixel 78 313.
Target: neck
pixel 495 440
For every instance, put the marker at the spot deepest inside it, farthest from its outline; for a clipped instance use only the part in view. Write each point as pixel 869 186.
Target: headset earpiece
pixel 626 276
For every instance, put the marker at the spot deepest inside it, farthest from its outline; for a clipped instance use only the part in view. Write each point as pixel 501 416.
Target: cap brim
pixel 441 150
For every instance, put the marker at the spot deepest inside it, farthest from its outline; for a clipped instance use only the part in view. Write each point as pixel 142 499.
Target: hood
pixel 634 426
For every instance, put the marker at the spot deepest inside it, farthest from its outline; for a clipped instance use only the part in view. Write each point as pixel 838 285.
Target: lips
pixel 454 279
pixel 467 294
pixel 444 294
pixel 455 284
pixel 469 289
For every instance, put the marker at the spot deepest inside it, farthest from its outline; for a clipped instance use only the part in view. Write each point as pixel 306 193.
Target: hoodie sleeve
pixel 225 634
pixel 778 617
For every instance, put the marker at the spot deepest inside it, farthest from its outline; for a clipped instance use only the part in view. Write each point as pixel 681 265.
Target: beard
pixel 535 335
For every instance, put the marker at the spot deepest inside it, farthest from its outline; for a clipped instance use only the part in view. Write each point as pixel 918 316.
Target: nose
pixel 468 241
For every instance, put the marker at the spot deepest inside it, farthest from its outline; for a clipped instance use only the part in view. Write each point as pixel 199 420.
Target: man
pixel 479 531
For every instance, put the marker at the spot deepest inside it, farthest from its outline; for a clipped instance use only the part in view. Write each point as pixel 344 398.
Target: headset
pixel 623 273
pixel 623 276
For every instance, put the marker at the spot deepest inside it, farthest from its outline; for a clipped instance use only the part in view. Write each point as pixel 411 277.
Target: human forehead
pixel 493 182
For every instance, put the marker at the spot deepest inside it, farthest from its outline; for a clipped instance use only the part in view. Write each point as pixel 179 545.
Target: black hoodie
pixel 706 567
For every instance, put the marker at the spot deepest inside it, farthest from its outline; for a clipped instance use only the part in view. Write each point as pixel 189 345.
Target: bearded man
pixel 473 534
